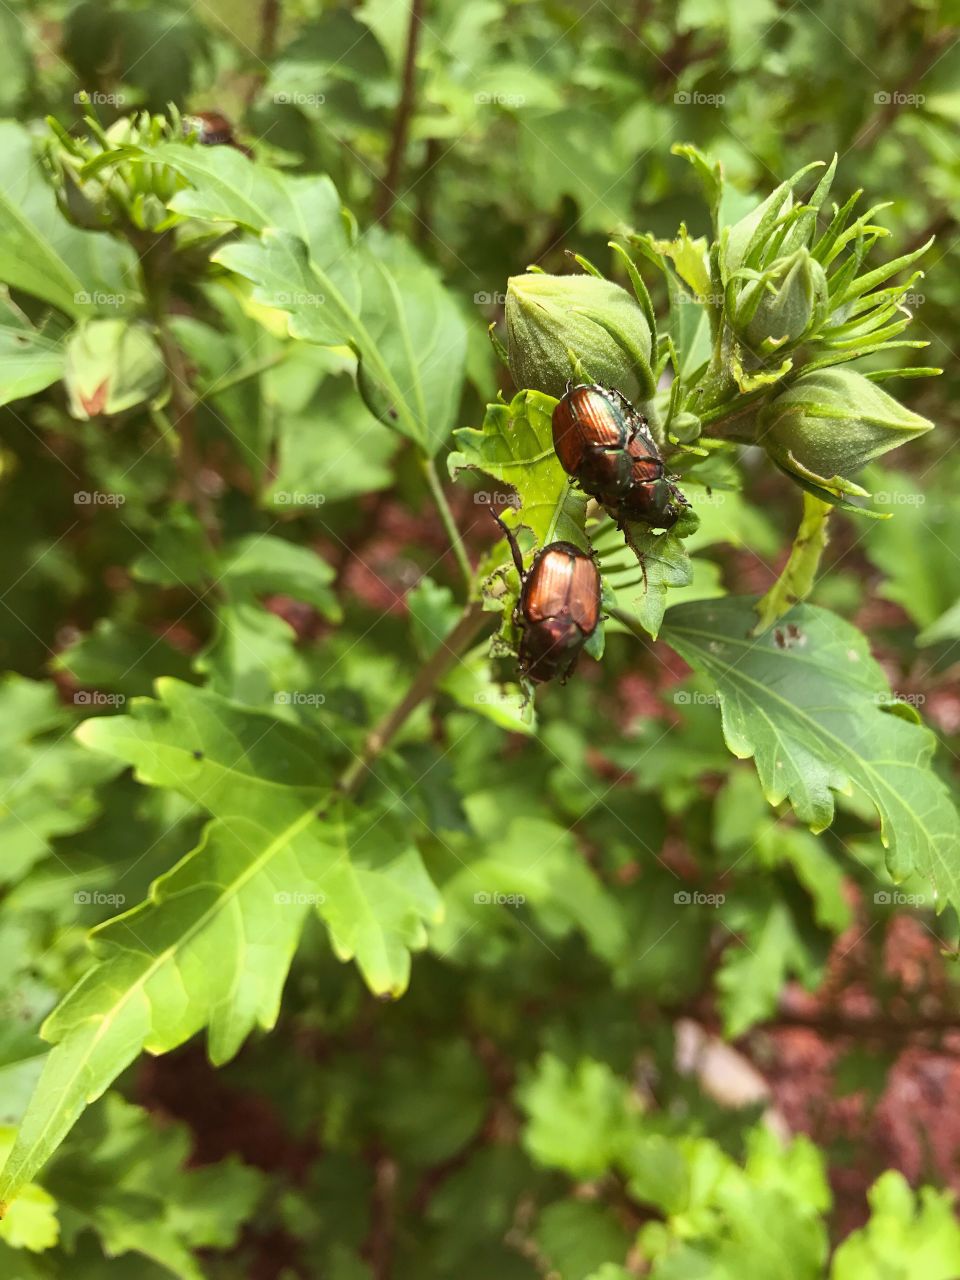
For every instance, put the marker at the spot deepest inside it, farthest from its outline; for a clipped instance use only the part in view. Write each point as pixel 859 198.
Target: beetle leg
pixel 512 541
pixel 628 539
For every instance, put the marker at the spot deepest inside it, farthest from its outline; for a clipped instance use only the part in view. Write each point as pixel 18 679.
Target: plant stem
pixel 401 123
pixel 429 676
pixel 156 260
pixel 269 25
pixel 799 573
pixel 189 461
pixel 446 515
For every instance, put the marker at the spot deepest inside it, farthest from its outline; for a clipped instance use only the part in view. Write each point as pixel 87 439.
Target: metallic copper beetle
pixel 558 610
pixel 213 129
pixel 604 443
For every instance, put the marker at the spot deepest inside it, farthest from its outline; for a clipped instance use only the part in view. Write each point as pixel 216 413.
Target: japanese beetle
pixel 213 129
pixel 558 610
pixel 604 443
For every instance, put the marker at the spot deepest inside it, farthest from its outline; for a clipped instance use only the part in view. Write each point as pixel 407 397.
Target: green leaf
pixel 373 293
pixel 47 782
pixel 29 359
pixel 126 1178
pixel 515 447
pixel 910 1236
pixel 752 976
pixel 31 1223
pixel 642 588
pixel 40 252
pixel 577 1237
pixel 807 702
pixel 213 944
pixel 576 1117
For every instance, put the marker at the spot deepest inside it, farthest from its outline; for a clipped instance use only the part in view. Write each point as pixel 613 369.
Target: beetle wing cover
pixel 563 582
pixel 583 421
pixel 546 590
pixel 584 595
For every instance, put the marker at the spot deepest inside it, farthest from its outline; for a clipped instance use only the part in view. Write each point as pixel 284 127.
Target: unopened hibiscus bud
pixel 776 313
pixel 112 365
pixel 832 422
pixel 577 328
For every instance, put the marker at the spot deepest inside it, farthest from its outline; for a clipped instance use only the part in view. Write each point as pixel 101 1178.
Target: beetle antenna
pixel 512 541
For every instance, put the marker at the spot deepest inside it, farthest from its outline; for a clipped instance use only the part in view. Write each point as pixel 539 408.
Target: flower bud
pixel 832 422
pixel 111 365
pixel 580 328
pixel 773 314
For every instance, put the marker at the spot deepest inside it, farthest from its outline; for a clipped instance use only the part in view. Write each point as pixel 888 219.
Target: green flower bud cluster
pixel 772 311
pixel 98 187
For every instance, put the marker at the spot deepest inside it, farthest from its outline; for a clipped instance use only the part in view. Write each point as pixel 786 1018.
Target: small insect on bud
pixel 212 129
